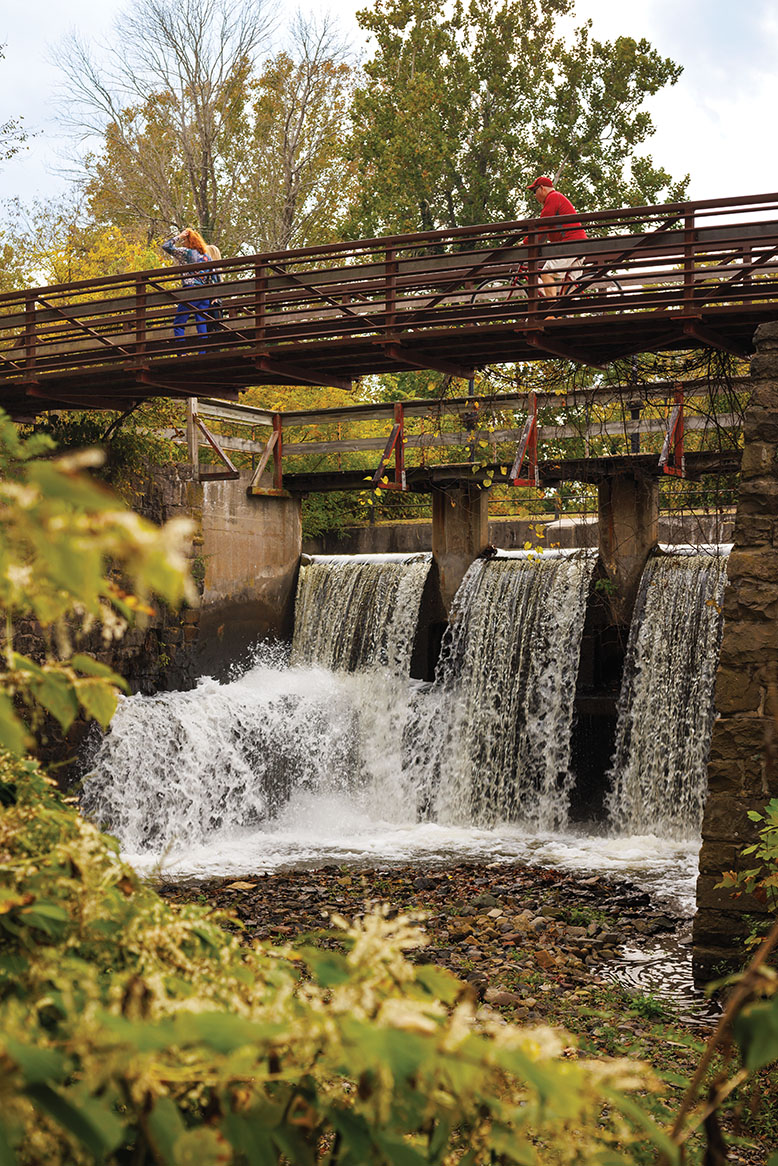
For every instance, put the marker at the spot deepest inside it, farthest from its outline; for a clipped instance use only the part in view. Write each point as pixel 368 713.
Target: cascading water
pixel 665 712
pixel 356 612
pixel 491 739
pixel 180 768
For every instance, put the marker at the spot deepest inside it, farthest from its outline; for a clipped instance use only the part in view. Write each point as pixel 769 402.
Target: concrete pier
pixel 628 523
pixel 460 531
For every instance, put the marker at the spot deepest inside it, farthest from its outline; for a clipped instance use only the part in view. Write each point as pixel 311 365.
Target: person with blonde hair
pixel 190 249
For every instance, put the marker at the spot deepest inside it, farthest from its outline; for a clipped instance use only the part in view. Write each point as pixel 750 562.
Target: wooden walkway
pixel 701 274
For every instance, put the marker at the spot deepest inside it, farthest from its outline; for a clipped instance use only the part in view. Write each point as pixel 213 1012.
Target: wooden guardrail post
pixel 688 259
pixel 192 440
pixel 533 276
pixel 260 303
pixel 278 477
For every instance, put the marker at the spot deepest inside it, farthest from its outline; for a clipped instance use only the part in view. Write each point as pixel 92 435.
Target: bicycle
pixel 513 285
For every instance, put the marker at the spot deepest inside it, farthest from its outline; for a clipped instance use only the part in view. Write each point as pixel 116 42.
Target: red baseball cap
pixel 542 181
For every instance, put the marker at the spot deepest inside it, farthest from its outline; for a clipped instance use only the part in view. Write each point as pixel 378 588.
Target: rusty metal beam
pixel 422 360
pixel 295 374
pixel 712 339
pixel 554 348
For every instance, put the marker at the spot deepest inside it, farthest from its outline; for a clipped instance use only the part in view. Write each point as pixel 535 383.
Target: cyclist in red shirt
pixel 554 271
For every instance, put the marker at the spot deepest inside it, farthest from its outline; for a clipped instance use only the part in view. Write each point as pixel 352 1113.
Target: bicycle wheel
pixel 499 290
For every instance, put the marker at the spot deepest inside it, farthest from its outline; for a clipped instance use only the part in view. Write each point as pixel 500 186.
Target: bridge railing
pixel 672 261
pixel 320 448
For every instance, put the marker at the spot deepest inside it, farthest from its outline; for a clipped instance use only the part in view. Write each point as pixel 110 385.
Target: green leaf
pixel 165 1126
pixel 91 667
pixel 291 1143
pixel 203 1146
pixel 400 1153
pixel 25 664
pixel 248 1138
pixel 329 968
pixel 46 917
pixel 7 1153
pixel 38 1065
pixel 357 1139
pixel 94 1125
pixel 98 698
pixel 13 734
pixel 644 1121
pixel 56 695
pixel 440 983
pixel 222 1031
pixel 74 490
pixel 756 1032
pixel 511 1147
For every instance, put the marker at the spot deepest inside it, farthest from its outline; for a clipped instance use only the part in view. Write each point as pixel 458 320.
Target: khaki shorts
pixel 560 268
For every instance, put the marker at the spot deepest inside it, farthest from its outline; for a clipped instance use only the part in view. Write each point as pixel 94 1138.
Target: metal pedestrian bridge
pixel 658 278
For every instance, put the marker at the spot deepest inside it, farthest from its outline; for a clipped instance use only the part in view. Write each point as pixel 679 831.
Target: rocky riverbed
pixel 519 935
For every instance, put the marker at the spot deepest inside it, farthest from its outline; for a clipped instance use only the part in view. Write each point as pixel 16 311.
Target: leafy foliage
pixel 131 1025
pixel 761 881
pixel 65 544
pixel 458 112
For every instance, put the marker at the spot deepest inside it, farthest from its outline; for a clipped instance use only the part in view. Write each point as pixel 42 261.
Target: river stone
pixel 486 900
pixel 503 998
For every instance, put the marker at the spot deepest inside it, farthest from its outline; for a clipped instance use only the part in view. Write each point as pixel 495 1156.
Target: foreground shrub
pixel 137 1032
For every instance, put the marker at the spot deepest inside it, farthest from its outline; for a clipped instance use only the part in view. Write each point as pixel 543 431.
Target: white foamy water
pixel 491 740
pixel 314 831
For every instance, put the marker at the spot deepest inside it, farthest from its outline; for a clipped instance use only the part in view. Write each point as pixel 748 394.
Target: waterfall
pixel 181 766
pixel 665 710
pixel 490 741
pixel 360 611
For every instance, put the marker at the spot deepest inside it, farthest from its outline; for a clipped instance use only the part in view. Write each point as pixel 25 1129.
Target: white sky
pixel 716 123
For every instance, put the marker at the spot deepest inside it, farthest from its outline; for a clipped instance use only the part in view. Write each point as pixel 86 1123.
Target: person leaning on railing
pixel 189 247
pixel 552 202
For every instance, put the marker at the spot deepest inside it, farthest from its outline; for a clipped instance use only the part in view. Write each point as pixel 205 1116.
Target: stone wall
pixel 742 772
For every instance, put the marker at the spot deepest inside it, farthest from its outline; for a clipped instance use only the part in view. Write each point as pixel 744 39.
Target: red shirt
pixel 557 204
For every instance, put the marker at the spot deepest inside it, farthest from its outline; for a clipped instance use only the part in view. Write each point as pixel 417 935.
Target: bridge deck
pixel 654 278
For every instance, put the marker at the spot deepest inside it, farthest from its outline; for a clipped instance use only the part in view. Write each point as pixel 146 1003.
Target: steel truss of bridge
pixel 677 276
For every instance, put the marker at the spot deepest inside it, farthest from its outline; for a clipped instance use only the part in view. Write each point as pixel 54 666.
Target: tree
pixel 457 113
pixel 296 176
pixel 187 126
pixel 12 133
pixel 164 104
pixel 58 242
pixel 63 538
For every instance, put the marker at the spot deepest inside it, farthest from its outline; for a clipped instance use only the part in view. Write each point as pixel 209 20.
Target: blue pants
pixel 185 310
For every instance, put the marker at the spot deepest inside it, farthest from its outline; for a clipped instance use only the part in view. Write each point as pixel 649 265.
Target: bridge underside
pixel 594 340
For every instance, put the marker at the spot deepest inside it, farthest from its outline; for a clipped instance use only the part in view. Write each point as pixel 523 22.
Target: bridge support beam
pixel 460 531
pixel 743 760
pixel 628 511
